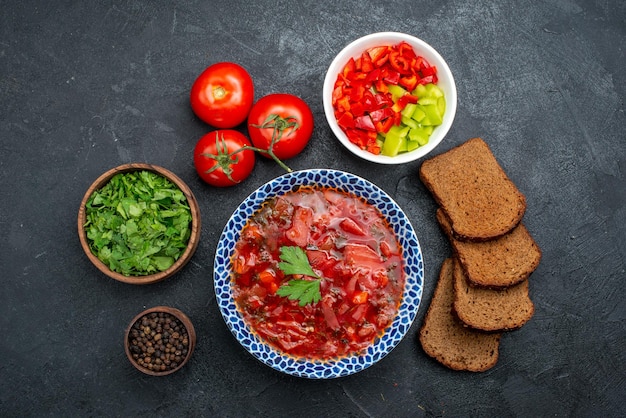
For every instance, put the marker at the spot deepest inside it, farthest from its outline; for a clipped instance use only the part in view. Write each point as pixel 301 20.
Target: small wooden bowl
pixel 182 319
pixel 194 239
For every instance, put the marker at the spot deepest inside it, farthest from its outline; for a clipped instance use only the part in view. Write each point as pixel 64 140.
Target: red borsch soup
pixel 354 285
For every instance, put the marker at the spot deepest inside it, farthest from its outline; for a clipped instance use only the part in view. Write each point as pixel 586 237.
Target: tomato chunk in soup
pixel 348 244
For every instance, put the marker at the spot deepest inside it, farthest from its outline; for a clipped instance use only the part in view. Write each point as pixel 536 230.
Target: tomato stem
pixel 219 92
pixel 268 151
pixel 223 159
pixel 279 126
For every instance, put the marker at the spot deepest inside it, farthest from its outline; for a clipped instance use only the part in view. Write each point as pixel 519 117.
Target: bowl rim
pixel 182 317
pixel 391 38
pixel 194 238
pixel 314 368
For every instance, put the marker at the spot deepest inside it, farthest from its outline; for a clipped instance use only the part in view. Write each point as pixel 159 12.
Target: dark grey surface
pixel 85 87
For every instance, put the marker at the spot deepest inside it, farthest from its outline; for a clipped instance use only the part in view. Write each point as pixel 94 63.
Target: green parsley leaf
pixel 295 261
pixel 306 291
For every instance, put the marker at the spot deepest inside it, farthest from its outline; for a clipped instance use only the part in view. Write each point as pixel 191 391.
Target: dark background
pixel 86 86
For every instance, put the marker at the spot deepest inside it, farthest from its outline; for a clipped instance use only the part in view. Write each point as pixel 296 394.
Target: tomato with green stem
pixel 282 122
pixel 224 158
pixel 222 95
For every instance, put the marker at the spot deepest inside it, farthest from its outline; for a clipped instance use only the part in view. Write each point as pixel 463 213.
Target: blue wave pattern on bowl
pixel 414 270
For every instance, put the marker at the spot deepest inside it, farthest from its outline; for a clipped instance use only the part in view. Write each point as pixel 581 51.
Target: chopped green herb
pixel 139 223
pixel 295 261
pixel 306 291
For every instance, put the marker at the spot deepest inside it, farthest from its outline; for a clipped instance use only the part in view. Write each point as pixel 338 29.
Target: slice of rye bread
pixel 499 263
pixel 447 340
pixel 472 188
pixel 491 310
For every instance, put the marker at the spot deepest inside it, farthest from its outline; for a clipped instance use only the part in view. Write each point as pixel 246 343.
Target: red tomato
pixel 284 117
pixel 223 95
pixel 218 159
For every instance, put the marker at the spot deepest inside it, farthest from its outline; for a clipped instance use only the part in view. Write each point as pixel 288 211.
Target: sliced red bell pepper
pixel 399 63
pixel 357 92
pixel 380 114
pixel 357 64
pixel 358 77
pixel 378 53
pixel 349 68
pixel 397 118
pixel 373 76
pixel 353 135
pixel 428 80
pixel 343 104
pixel 346 120
pixel 381 86
pixel 366 63
pixel 361 138
pixel 428 70
pixel 373 147
pixel 383 99
pixel 370 137
pixel 392 76
pixel 403 101
pixel 407 98
pixel 408 82
pixel 368 101
pixel 357 108
pixel 406 50
pixel 385 125
pixel 382 61
pixel 337 94
pixel 364 122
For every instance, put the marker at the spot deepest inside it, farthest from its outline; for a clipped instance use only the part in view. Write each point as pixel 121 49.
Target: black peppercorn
pixel 153 347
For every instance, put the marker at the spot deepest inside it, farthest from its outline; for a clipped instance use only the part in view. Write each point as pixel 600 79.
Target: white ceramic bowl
pixel 446 83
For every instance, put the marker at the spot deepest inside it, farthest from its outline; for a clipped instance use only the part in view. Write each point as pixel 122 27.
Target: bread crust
pixel 491 310
pixel 470 185
pixel 444 338
pixel 498 263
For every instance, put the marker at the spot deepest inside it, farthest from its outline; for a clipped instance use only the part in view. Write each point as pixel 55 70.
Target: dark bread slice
pixel 472 188
pixel 488 309
pixel 499 263
pixel 447 340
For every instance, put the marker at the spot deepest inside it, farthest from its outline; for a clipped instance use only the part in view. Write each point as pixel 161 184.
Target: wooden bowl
pixel 195 224
pixel 160 335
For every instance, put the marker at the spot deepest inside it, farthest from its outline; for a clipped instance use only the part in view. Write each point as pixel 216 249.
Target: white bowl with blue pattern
pixel 413 267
